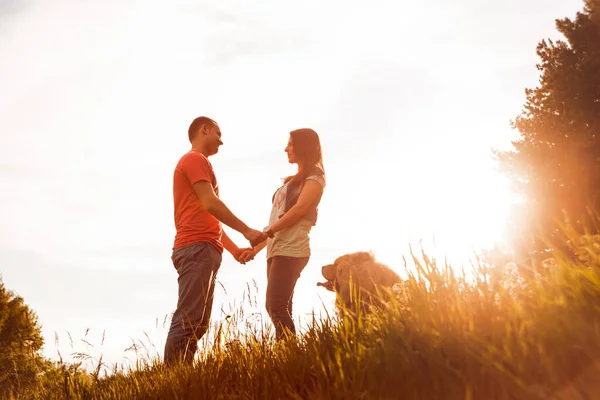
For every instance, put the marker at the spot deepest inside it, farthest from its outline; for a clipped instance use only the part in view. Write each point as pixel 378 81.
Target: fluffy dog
pixel 358 274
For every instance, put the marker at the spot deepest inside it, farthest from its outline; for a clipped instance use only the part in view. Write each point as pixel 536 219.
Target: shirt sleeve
pixel 197 168
pixel 318 178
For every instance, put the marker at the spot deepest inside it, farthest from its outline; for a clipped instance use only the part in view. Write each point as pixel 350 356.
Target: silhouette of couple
pixel 200 239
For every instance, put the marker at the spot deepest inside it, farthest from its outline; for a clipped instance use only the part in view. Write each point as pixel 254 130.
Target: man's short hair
pixel 197 124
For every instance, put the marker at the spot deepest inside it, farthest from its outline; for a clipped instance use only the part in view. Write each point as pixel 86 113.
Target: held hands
pixel 255 237
pixel 245 255
pixel 257 241
pixel 263 236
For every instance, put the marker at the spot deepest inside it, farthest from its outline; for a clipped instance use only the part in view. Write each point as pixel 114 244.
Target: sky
pixel 409 100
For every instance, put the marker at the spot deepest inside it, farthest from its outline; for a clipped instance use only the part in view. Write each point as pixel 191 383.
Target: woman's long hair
pixel 307 149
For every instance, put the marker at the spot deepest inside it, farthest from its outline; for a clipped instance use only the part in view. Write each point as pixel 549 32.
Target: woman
pixel 293 214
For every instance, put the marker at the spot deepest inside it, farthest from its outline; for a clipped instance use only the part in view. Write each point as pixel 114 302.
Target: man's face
pixel 213 138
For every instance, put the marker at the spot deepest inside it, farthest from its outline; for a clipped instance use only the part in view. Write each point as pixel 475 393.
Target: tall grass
pixel 500 335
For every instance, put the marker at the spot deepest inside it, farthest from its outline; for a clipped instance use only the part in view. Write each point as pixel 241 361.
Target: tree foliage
pixel 555 163
pixel 20 344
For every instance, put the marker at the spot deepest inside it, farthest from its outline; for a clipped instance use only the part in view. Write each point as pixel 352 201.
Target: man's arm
pixel 219 210
pixel 308 196
pixel 230 246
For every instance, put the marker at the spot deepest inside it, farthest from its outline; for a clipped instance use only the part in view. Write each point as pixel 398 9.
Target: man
pixel 200 239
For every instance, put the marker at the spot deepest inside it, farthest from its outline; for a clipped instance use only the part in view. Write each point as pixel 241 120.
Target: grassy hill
pixel 503 335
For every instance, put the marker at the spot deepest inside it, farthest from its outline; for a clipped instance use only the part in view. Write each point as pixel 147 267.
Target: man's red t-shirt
pixel 192 221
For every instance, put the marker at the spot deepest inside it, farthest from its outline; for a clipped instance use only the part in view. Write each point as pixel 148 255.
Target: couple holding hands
pixel 200 239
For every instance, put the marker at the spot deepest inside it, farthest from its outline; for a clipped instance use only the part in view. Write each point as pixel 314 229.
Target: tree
pixel 555 163
pixel 20 344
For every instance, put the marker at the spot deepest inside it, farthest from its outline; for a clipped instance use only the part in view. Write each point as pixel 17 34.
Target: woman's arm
pixel 308 196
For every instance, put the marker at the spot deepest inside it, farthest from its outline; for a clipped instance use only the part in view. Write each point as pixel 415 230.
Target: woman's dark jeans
pixel 282 274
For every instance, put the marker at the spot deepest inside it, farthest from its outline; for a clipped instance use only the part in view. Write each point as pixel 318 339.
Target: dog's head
pixel 330 271
pixel 358 258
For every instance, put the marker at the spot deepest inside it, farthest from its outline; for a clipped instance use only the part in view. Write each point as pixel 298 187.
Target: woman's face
pixel 289 149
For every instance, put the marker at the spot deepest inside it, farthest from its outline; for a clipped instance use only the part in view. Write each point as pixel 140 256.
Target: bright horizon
pixel 95 103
